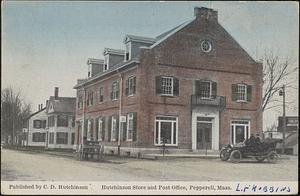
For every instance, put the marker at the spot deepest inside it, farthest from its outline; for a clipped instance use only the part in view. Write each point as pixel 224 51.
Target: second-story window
pixel 62 120
pixel 130 86
pixel 241 92
pixel 51 121
pixel 101 94
pixel 206 88
pixel 37 124
pixel 166 85
pixel 114 94
pixel 90 98
pixel 90 70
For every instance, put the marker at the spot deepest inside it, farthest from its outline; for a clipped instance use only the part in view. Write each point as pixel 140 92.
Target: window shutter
pixel 234 88
pixel 249 93
pixel 127 87
pixel 109 128
pixel 175 86
pixel 118 89
pixel 124 124
pixel 97 128
pixel 214 89
pixel 85 127
pixel 92 129
pixel 117 129
pixel 197 87
pixel 134 85
pixel 134 133
pixel 103 128
pixel 158 84
pixel 111 91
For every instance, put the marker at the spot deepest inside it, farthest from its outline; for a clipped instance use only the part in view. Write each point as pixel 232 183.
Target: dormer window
pixel 127 51
pixel 106 61
pixel 90 71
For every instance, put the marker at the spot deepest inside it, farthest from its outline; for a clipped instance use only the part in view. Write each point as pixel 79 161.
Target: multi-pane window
pixel 205 89
pixel 37 124
pixel 38 137
pixel 100 94
pixel 115 91
pixel 241 92
pixel 129 127
pixel 166 130
pixel 240 130
pixel 131 86
pixel 89 129
pixel 61 138
pixel 44 124
pixel 51 121
pixel 100 129
pixel 113 128
pixel 79 102
pixel 62 120
pixel 51 138
pixel 167 85
pixel 90 98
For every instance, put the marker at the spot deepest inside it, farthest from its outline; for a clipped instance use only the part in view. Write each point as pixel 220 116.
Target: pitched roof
pixel 113 51
pixel 95 61
pixel 139 39
pixel 63 104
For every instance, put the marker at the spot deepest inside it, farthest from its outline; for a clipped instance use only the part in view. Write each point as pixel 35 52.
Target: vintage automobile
pixel 260 150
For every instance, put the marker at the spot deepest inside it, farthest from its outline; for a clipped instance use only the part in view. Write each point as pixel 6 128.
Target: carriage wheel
pixel 272 157
pixel 235 156
pixel 260 158
pixel 224 155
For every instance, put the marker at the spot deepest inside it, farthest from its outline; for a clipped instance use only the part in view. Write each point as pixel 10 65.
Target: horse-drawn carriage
pixel 260 150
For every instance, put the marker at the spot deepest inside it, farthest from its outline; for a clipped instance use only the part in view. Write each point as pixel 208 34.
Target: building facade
pixel 61 121
pixel 191 88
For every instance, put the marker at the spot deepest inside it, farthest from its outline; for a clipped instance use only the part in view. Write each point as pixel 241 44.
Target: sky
pixel 47 44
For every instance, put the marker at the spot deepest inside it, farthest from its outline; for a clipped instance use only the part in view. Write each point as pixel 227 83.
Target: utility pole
pixel 282 93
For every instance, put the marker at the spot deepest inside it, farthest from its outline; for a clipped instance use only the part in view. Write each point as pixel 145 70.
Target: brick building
pixel 193 88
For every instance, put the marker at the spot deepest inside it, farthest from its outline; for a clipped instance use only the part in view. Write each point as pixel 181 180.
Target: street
pixel 26 166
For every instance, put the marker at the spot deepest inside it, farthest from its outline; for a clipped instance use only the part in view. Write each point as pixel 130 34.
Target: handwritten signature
pixel 259 188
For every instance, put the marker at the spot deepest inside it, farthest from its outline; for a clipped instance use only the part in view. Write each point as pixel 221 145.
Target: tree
pixel 277 71
pixel 13 110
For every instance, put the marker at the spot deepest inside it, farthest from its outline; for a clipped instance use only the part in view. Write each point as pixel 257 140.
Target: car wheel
pixel 260 158
pixel 235 156
pixel 224 155
pixel 272 157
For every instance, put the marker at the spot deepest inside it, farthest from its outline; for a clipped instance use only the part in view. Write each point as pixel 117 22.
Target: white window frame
pixel 166 86
pixel 90 97
pixel 129 118
pixel 89 70
pixel 128 44
pixel 106 62
pixel 210 89
pixel 101 87
pixel 130 91
pixel 159 130
pixel 239 91
pixel 79 102
pixel 100 130
pixel 114 91
pixel 234 123
pixel 113 129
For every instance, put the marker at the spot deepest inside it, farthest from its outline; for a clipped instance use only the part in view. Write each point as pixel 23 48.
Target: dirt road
pixel 16 165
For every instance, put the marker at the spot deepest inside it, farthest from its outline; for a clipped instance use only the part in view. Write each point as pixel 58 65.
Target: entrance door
pixel 204 133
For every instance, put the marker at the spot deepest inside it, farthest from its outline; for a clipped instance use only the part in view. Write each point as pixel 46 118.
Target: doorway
pixel 204 135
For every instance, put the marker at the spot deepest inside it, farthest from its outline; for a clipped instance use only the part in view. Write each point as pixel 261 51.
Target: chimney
pixel 47 103
pixel 204 13
pixel 41 106
pixel 56 93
